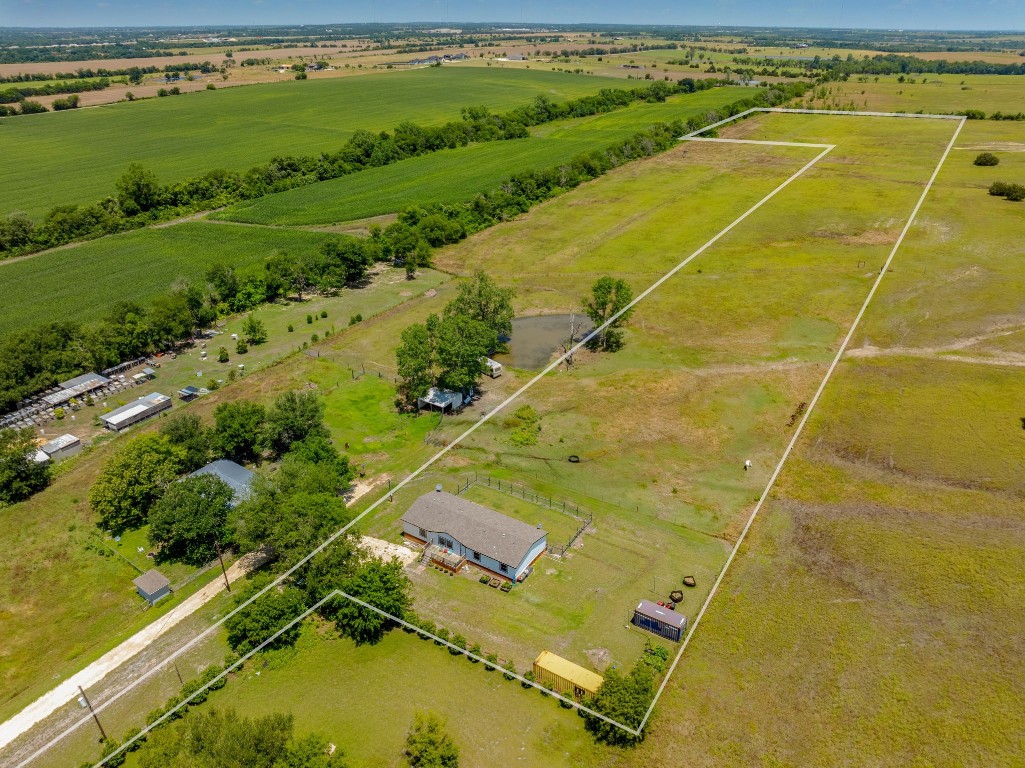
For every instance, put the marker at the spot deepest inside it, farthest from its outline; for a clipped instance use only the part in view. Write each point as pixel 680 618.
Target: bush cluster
pixel 1013 192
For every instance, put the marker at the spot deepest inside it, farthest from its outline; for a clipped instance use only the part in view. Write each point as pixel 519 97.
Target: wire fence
pixel 520 491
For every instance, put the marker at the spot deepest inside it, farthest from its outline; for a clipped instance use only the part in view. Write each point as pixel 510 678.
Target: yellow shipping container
pixel 565 677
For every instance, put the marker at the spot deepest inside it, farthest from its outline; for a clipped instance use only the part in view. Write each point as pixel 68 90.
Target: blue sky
pixel 879 14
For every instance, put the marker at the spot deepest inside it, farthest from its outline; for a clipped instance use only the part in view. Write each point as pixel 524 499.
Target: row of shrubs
pixel 1013 192
pixel 209 679
pixel 622 697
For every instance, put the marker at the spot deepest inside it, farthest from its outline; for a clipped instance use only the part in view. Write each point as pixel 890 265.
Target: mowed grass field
pixel 85 280
pixel 941 94
pixel 455 175
pixel 74 157
pixel 876 608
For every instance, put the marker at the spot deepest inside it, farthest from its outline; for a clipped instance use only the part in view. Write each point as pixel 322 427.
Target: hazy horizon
pixel 944 15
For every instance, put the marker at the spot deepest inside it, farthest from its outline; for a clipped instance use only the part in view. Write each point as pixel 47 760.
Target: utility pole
pixel 220 559
pixel 83 701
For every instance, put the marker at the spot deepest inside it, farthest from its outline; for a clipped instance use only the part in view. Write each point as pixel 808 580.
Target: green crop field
pixel 85 280
pixel 455 175
pixel 76 156
pixel 929 93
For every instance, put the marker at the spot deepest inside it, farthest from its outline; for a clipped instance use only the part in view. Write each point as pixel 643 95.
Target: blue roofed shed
pixel 235 475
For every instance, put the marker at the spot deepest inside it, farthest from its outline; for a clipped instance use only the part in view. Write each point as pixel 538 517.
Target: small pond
pixel 536 339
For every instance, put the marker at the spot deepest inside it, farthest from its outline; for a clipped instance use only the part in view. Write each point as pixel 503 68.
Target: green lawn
pixel 61 581
pixel 86 280
pixel 455 175
pixel 328 684
pixel 73 157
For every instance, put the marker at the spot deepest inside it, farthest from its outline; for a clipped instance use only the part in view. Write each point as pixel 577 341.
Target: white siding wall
pixel 513 571
pixel 536 550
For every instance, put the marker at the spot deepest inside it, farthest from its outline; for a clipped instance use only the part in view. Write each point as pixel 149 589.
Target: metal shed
pixel 152 585
pixel 565 677
pixel 62 447
pixel 133 413
pixel 659 620
pixel 444 400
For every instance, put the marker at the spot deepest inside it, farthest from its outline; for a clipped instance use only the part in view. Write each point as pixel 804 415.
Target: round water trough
pixel 574 459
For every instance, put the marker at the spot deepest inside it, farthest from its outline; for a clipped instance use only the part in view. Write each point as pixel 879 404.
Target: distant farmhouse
pixel 447 58
pixel 475 534
pixel 237 477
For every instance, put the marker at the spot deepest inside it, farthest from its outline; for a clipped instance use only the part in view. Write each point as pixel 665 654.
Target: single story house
pixel 61 447
pixel 234 475
pixel 133 413
pixel 152 585
pixel 487 539
pixel 565 677
pixel 76 387
pixel 659 620
pixel 444 400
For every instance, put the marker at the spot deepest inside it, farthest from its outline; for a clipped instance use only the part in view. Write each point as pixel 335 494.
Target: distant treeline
pixel 14 95
pixel 34 359
pixel 83 53
pixel 595 50
pixel 836 68
pixel 140 200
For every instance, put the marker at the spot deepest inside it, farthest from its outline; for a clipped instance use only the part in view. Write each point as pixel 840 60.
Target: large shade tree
pixel 133 479
pixel 20 474
pixel 189 522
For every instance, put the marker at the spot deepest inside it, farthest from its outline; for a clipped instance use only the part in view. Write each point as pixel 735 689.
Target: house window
pixel 423 534
pixel 446 542
pixel 476 556
pixel 503 568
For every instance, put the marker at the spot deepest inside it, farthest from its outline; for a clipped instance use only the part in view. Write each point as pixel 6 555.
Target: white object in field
pixel 747 465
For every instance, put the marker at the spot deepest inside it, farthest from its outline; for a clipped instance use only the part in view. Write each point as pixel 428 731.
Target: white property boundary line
pixel 828 148
pixel 825 380
pixel 423 467
pixel 302 617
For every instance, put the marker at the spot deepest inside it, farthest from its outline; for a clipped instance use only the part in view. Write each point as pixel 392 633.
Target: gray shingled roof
pixel 151 582
pixel 235 475
pixel 478 528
